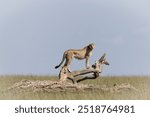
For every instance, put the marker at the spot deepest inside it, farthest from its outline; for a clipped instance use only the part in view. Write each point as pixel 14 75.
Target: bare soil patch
pixel 52 86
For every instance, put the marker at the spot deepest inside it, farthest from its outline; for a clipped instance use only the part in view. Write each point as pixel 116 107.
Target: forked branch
pixel 95 69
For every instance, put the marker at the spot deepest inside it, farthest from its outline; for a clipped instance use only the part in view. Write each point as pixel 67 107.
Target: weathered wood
pixel 95 69
pixel 82 72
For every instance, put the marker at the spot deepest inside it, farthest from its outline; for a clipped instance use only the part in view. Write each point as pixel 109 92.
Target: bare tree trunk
pixel 94 70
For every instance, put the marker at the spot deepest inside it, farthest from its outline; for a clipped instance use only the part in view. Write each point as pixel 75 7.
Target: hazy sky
pixel 35 33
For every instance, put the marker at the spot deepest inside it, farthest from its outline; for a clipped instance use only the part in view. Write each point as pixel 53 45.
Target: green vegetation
pixel 141 83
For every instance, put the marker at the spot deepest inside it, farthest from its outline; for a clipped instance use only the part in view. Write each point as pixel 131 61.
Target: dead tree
pixel 95 70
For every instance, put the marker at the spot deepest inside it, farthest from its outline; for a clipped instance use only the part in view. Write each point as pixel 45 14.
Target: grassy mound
pixel 45 87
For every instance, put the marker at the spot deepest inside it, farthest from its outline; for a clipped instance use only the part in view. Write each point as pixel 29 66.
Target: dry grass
pixel 45 87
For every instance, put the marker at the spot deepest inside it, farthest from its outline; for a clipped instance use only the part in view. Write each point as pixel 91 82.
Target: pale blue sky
pixel 35 33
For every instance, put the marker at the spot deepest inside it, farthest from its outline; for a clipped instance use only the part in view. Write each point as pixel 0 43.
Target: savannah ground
pixel 141 84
